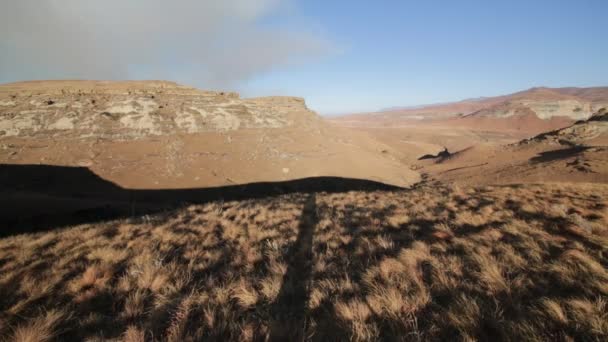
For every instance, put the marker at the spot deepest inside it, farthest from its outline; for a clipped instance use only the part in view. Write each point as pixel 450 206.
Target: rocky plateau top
pixel 134 109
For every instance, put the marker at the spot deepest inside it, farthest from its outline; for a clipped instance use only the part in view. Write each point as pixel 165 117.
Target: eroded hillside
pixel 162 135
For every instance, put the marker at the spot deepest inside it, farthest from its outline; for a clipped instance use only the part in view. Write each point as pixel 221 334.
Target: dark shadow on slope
pixel 549 156
pixel 39 197
pixel 289 309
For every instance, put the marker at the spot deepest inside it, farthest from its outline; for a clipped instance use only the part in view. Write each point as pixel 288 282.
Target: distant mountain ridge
pixel 426 105
pixel 545 103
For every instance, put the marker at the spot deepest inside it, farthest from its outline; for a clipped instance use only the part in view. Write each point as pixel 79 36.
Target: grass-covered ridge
pixel 510 262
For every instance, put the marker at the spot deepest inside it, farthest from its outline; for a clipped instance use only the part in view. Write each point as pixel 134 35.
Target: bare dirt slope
pixel 408 142
pixel 575 153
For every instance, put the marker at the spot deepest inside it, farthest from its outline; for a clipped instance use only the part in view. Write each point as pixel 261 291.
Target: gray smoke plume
pixel 213 43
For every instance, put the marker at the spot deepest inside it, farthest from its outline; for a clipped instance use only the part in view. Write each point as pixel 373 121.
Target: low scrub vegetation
pixel 491 263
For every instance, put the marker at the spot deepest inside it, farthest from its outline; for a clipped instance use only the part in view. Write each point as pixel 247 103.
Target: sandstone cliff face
pixel 130 110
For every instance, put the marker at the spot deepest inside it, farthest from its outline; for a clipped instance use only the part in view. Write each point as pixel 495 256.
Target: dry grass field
pixel 515 263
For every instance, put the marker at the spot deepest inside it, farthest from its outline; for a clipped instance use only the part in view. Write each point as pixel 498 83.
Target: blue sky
pixel 341 56
pixel 397 53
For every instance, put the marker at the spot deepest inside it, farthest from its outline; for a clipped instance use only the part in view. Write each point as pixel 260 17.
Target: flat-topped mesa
pixel 134 109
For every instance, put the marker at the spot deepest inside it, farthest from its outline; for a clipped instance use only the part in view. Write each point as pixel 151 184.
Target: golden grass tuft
pixel 40 329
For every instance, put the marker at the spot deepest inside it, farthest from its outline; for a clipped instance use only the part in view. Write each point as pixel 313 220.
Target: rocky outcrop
pixel 130 110
pixel 601 115
pixel 543 109
pixel 591 132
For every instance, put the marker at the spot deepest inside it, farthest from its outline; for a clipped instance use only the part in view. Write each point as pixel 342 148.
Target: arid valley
pixel 152 211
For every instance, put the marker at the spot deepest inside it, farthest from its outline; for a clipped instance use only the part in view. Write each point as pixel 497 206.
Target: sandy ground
pixel 212 159
pixel 409 142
